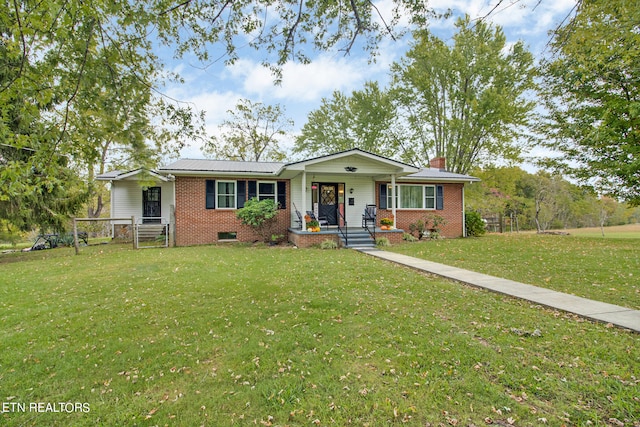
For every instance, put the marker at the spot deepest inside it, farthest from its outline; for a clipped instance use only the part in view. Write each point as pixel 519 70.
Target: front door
pixel 151 205
pixel 328 206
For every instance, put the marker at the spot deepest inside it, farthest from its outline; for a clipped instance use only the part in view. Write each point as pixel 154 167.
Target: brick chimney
pixel 438 163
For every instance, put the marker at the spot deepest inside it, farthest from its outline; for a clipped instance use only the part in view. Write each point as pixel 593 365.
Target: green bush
pixel 329 244
pixel 259 215
pixel 382 241
pixel 409 237
pixel 474 224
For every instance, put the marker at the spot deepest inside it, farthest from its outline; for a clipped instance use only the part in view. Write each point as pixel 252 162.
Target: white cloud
pixel 300 82
pixel 524 17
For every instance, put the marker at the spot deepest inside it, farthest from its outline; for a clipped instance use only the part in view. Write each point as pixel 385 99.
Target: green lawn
pixel 606 270
pixel 277 336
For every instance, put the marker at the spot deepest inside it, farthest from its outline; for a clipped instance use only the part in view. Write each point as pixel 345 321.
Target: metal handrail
pixel 344 233
pixel 371 233
pixel 365 225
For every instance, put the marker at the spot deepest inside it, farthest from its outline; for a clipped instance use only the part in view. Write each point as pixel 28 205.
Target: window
pixel 267 190
pixel 226 194
pixel 410 197
pixel 210 197
pixel 414 196
pixel 430 197
pixel 228 235
pixel 233 194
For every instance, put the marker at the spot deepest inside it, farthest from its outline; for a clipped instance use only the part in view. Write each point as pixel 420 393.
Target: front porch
pixel 345 237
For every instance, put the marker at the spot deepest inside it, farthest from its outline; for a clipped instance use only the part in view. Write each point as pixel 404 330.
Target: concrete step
pixel 359 239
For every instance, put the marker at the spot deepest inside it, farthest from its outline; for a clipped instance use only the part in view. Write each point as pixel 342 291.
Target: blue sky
pixel 216 88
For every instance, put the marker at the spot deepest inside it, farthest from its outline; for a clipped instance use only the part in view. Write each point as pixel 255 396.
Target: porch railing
pixel 372 231
pixel 344 232
pixel 368 217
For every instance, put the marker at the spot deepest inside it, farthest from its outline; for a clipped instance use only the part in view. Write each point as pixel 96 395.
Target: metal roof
pixel 206 165
pixel 108 176
pixel 439 174
pixel 196 167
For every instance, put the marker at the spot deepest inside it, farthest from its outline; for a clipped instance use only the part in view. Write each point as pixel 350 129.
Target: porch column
pixel 393 198
pixel 303 193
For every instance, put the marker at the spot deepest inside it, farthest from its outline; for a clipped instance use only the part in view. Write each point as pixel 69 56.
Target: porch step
pixel 150 232
pixel 359 239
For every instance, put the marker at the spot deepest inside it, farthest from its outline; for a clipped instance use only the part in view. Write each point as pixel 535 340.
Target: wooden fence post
pixel 134 232
pixel 75 236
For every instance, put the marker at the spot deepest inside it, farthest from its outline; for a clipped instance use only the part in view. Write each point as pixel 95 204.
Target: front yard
pixel 238 335
pixel 603 269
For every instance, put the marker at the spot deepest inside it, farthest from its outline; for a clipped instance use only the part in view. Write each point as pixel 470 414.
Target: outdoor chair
pixel 322 221
pixel 299 221
pixel 369 216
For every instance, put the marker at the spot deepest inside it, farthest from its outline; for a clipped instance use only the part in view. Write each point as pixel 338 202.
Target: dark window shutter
pixel 241 193
pixel 439 197
pixel 282 195
pixel 383 196
pixel 210 201
pixel 253 189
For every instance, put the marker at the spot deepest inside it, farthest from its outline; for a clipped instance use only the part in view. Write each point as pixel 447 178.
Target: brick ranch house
pixel 199 198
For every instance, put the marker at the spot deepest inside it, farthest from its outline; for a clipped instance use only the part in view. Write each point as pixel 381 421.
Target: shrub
pixel 429 227
pixel 417 227
pixel 329 244
pixel 259 215
pixel 474 224
pixel 409 237
pixel 382 241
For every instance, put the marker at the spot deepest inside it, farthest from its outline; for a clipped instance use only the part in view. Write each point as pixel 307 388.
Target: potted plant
pixel 386 223
pixel 313 225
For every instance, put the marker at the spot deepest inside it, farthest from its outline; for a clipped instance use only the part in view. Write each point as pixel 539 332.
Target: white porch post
pixel 393 198
pixel 303 193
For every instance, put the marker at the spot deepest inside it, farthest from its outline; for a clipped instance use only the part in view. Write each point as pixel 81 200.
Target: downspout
pixel 464 219
pixel 173 226
pixel 112 200
pixel 393 199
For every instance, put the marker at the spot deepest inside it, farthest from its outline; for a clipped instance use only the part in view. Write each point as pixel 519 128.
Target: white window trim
pixel 423 198
pixel 235 194
pixel 275 190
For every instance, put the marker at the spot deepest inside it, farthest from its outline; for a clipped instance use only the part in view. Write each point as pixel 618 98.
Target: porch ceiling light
pixel 350 168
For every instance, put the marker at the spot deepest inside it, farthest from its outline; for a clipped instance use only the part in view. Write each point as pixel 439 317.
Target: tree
pixel 364 120
pixel 75 76
pixel 465 102
pixel 550 194
pixel 251 134
pixel 607 209
pixel 592 89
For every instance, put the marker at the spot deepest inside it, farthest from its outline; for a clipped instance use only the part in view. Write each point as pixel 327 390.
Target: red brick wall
pixel 196 225
pixel 310 239
pixel 452 212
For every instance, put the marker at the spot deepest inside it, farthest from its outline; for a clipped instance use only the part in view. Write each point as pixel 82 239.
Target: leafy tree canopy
pixel 363 120
pixel 465 101
pixel 592 88
pixel 251 134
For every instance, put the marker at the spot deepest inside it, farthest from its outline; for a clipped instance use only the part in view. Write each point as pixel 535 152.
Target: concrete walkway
pixel 600 311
